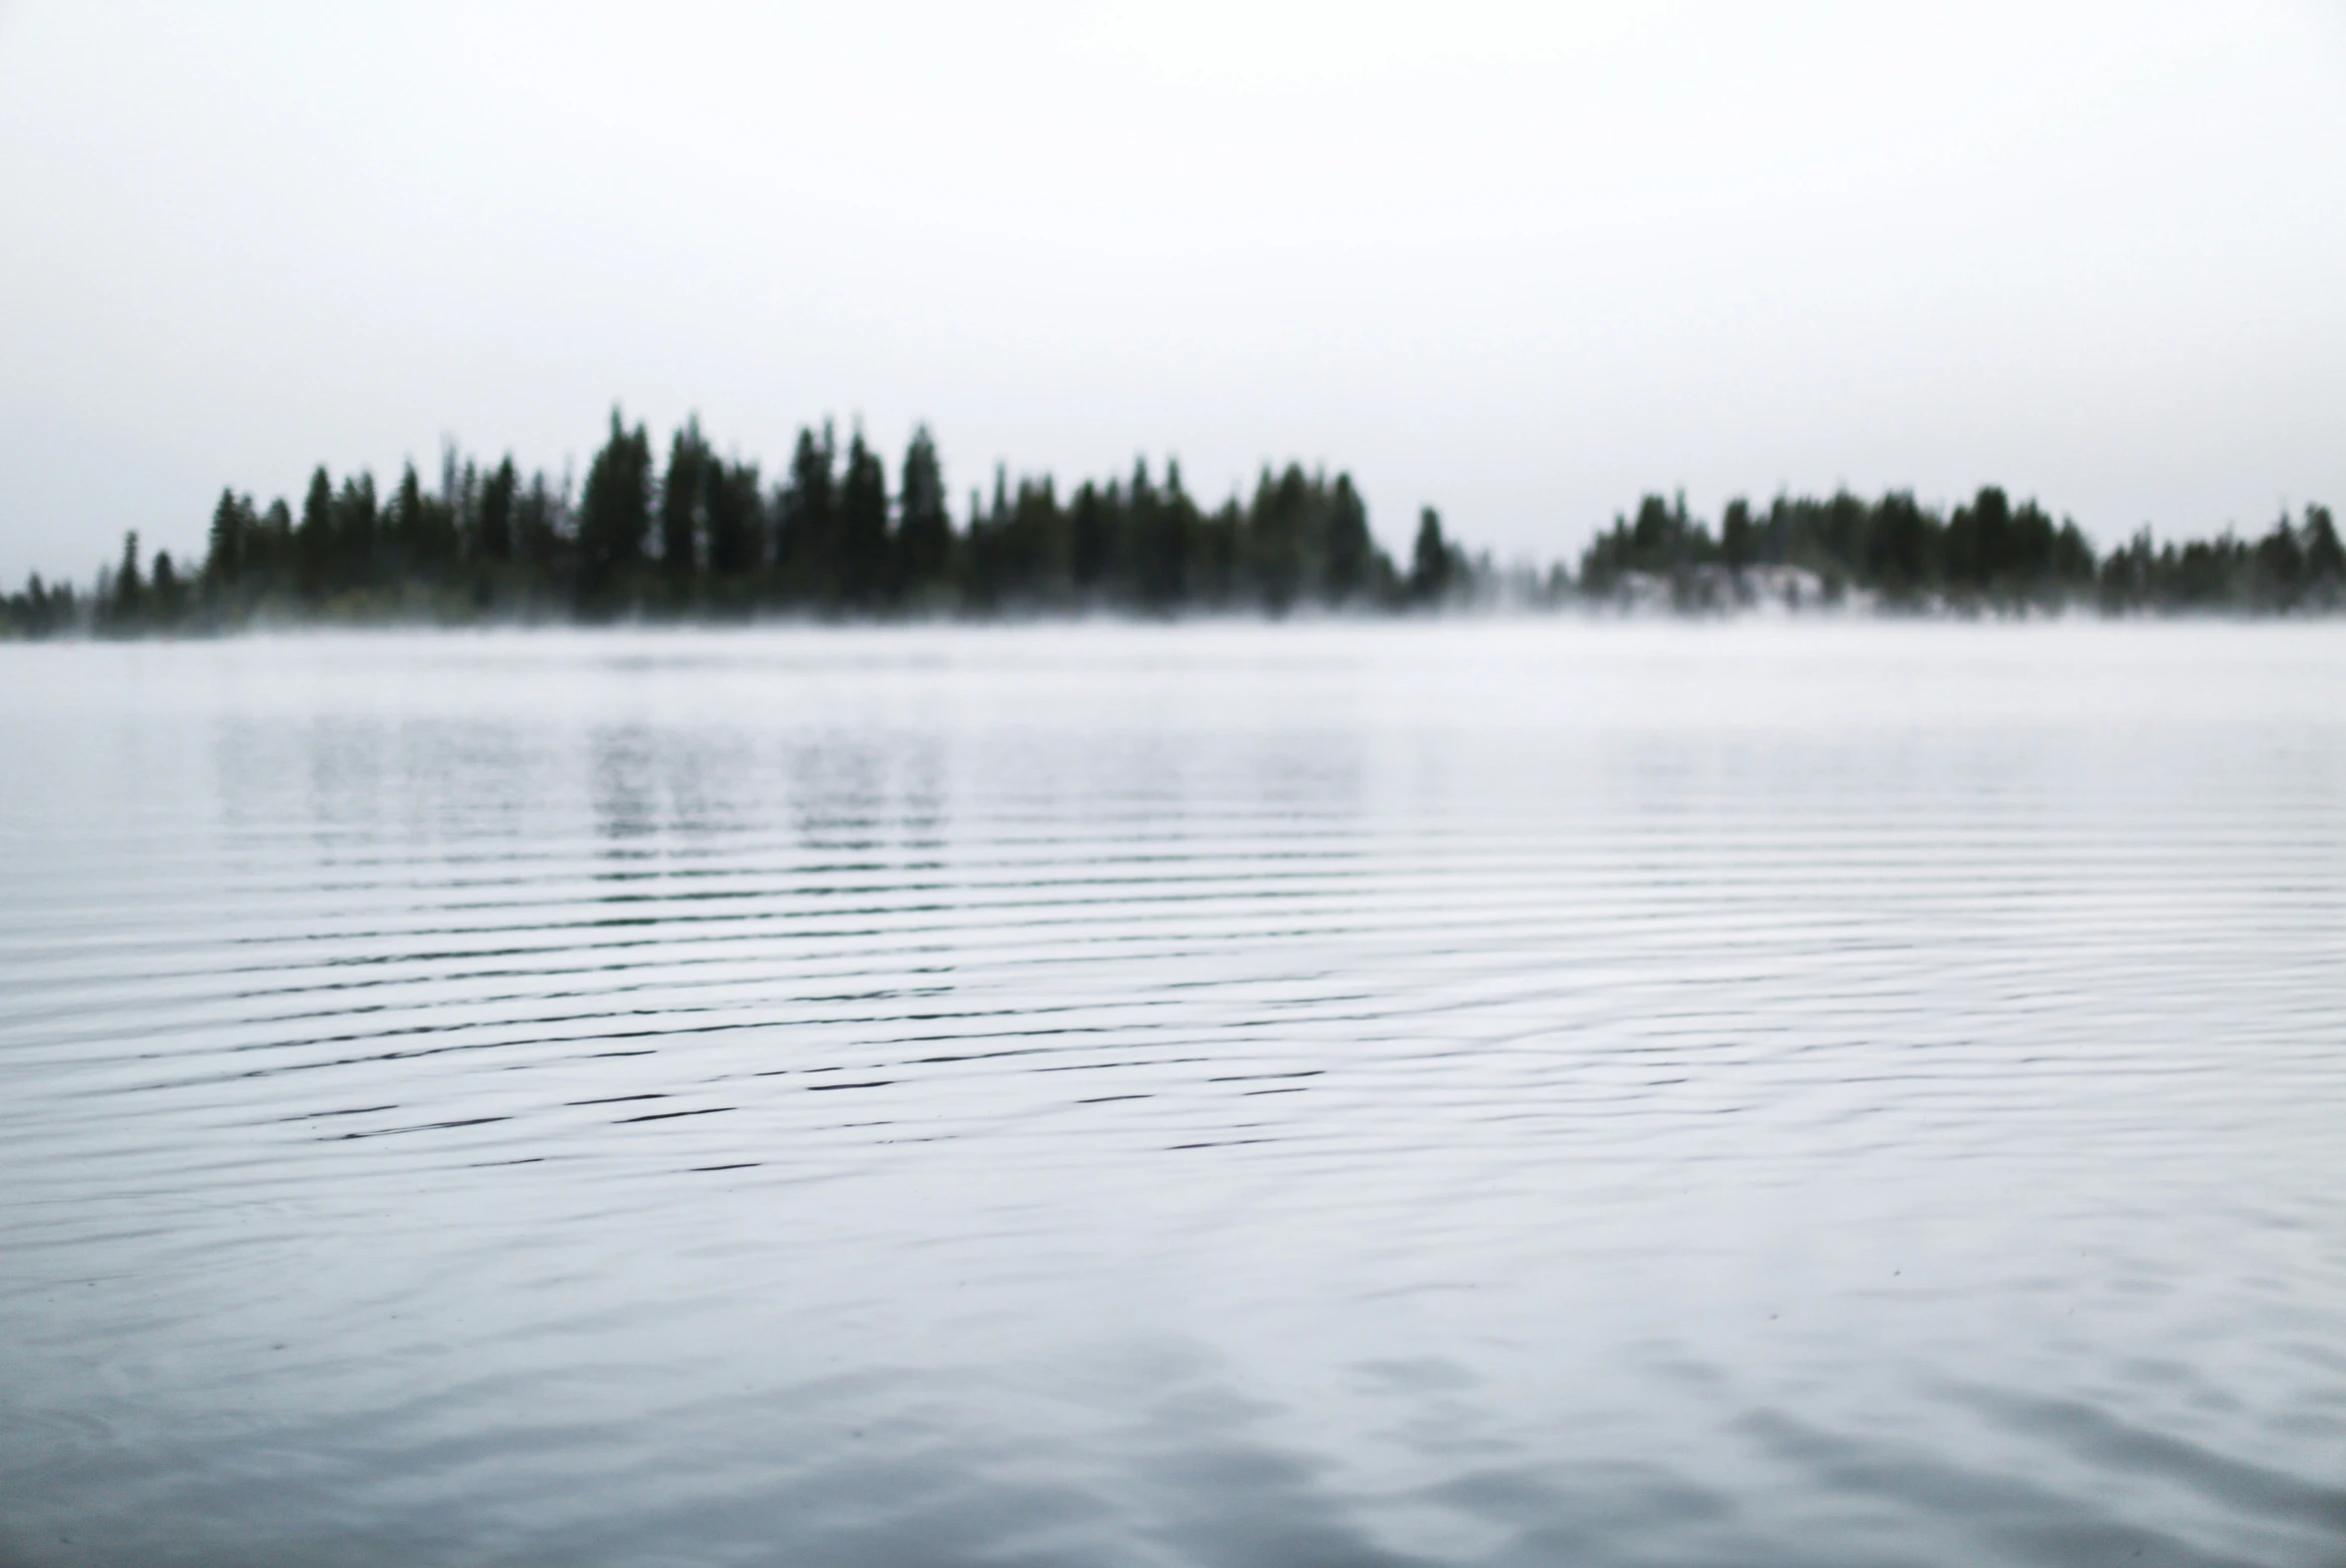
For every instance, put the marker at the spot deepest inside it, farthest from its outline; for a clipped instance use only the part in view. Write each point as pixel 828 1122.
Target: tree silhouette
pixel 736 518
pixel 1430 561
pixel 684 503
pixel 615 512
pixel 924 528
pixel 493 534
pixel 833 540
pixel 864 549
pixel 806 545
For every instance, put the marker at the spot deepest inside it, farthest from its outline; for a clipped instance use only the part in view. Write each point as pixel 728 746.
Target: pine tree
pixel 493 530
pixel 1088 534
pixel 537 521
pixel 313 539
pixel 1159 524
pixel 166 598
pixel 1351 553
pixel 616 511
pixel 1275 538
pixel 224 561
pixel 356 531
pixel 862 525
pixel 682 502
pixel 269 549
pixel 407 525
pixel 736 518
pixel 807 546
pixel 1736 535
pixel 1431 560
pixel 129 598
pixel 924 529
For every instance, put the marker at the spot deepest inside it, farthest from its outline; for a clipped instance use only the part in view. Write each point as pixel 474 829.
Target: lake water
pixel 1492 1093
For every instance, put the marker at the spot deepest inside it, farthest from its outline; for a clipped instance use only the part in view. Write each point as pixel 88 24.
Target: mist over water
pixel 1427 1094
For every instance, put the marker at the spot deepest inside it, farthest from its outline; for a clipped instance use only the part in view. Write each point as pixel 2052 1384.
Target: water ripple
pixel 1468 1095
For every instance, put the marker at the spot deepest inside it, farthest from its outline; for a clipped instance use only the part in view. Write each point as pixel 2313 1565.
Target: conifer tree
pixel 1430 559
pixel 313 538
pixel 736 518
pixel 537 514
pixel 407 525
pixel 355 532
pixel 1275 538
pixel 1350 551
pixel 1156 524
pixel 807 548
pixel 269 549
pixel 130 597
pixel 683 496
pixel 165 599
pixel 493 530
pixel 616 511
pixel 1898 549
pixel 924 529
pixel 224 561
pixel 1088 529
pixel 1977 541
pixel 862 525
pixel 1735 535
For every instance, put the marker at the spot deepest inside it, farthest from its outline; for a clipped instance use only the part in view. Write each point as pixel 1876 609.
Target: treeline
pixel 1984 555
pixel 697 534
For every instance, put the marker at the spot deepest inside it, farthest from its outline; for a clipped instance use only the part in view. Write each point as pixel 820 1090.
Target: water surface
pixel 1504 1093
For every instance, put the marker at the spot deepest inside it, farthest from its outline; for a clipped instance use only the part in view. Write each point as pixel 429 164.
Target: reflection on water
pixel 1223 1096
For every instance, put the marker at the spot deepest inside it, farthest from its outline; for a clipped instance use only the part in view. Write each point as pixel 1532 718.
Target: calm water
pixel 1495 1094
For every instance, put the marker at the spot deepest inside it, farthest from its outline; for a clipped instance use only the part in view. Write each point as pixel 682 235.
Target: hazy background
pixel 1521 262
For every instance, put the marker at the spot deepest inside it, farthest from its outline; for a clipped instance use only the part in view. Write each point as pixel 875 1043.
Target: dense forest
pixel 1985 556
pixel 703 536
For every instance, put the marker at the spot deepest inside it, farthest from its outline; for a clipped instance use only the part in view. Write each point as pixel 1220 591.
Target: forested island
pixel 704 537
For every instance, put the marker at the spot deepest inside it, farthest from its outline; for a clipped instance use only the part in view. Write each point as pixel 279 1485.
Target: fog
pixel 1520 263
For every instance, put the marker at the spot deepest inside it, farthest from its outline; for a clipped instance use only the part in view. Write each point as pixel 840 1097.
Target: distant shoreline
pixel 700 539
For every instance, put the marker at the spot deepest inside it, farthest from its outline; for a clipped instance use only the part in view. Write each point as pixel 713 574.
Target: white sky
pixel 1521 262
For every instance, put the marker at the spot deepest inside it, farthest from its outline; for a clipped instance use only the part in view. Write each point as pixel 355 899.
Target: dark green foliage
pixel 1435 567
pixel 1986 555
pixel 166 594
pixel 492 532
pixel 315 550
pixel 806 543
pixel 1089 539
pixel 542 545
pixel 357 561
pixel 268 549
pixel 1169 556
pixel 2296 566
pixel 699 536
pixel 126 604
pixel 1030 546
pixel 615 515
pixel 420 532
pixel 684 502
pixel 1737 538
pixel 736 515
pixel 39 610
pixel 1277 529
pixel 862 545
pixel 233 524
pixel 1900 547
pixel 924 538
pixel 1345 545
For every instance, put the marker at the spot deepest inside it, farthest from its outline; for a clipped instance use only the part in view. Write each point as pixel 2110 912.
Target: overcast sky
pixel 1519 262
